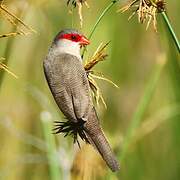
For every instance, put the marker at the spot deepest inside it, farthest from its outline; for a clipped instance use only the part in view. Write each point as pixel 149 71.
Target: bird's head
pixel 70 41
pixel 72 36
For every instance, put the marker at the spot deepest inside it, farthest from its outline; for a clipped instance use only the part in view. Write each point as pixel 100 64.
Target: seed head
pixel 80 4
pixel 146 10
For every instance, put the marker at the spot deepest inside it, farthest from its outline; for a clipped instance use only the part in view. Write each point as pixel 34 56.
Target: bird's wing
pixel 68 82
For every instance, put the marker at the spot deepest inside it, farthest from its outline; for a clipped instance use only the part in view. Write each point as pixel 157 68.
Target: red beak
pixel 84 41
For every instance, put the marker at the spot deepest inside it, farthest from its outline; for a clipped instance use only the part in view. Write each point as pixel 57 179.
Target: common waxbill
pixel 68 82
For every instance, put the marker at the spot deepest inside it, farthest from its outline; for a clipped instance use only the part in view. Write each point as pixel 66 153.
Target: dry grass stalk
pixel 146 10
pixel 98 56
pixel 9 34
pixel 1 2
pixel 15 21
pixel 4 67
pixel 79 3
pixel 87 165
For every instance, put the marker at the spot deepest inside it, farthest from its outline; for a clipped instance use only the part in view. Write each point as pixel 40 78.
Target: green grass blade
pixel 101 16
pixel 99 20
pixel 173 35
pixel 51 151
pixel 143 104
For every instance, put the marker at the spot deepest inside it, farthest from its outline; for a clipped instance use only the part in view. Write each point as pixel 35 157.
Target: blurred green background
pixel 142 121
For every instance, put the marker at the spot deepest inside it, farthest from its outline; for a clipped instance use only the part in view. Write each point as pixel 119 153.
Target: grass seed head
pixel 146 10
pixel 99 55
pixel 21 27
pixel 5 68
pixel 80 4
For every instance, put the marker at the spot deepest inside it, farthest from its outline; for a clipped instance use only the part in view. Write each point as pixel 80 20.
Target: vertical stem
pixel 99 20
pixel 173 35
pixel 101 16
pixel 51 146
pixel 143 104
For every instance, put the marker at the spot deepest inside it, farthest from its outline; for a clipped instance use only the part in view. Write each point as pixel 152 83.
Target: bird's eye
pixel 73 37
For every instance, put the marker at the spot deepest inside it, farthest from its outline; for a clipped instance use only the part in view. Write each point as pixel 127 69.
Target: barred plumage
pixel 69 85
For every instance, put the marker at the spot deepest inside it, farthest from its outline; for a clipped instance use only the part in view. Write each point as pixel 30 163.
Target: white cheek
pixel 69 47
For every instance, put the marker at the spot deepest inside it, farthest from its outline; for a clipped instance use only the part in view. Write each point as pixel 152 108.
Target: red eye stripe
pixel 73 37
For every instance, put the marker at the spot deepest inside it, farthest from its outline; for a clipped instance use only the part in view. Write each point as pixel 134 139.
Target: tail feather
pixel 101 144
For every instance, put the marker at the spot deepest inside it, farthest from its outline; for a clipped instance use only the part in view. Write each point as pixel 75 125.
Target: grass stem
pixel 101 16
pixel 49 138
pixel 143 104
pixel 173 35
pixel 99 20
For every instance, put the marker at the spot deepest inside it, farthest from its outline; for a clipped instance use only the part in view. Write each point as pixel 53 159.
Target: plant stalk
pixel 173 35
pixel 143 104
pixel 99 20
pixel 51 146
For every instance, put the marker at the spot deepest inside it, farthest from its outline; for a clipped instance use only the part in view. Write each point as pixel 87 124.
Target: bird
pixel 68 83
